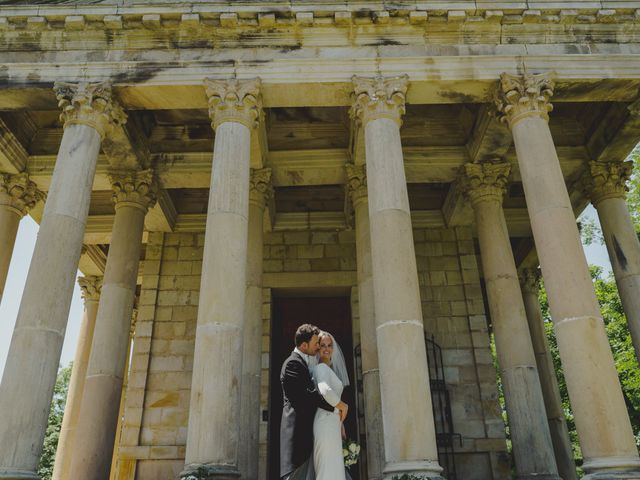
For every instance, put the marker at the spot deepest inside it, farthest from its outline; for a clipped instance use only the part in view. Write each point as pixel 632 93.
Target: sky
pixel 25 242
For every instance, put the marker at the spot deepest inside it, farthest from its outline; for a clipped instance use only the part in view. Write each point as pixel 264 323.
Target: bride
pixel 331 376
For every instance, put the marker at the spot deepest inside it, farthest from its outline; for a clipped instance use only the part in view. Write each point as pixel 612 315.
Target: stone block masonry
pixel 157 400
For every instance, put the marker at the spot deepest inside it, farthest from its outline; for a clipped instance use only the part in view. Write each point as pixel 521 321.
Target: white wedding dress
pixel 327 436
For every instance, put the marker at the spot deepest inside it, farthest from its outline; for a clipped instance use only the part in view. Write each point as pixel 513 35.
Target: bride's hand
pixel 343 408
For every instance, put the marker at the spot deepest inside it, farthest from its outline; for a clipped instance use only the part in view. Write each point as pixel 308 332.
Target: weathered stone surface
pixel 156 56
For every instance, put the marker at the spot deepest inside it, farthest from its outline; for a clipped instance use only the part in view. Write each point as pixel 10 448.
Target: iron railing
pixel 446 438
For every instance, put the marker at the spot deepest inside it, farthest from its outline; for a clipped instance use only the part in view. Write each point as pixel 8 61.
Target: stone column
pixel 18 195
pixel 370 372
pixel 529 283
pixel 484 185
pixel 603 425
pixel 114 468
pixel 28 380
pixel 133 194
pixel 249 446
pixel 409 440
pixel 606 186
pixel 90 286
pixel 214 424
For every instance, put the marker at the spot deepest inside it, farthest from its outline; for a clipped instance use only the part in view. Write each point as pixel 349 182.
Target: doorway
pixel 332 314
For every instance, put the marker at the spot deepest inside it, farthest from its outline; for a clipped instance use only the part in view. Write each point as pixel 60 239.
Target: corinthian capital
pixel 89 104
pixel 260 189
pixel 18 193
pixel 521 96
pixel 133 188
pixel 234 101
pixel 607 180
pixel 379 97
pixel 529 280
pixel 485 181
pixel 91 287
pixel 357 176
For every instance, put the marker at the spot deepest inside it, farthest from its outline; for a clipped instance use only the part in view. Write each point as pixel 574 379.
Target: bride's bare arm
pixel 330 396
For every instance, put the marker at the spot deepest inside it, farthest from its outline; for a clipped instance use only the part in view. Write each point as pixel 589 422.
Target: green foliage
pixel 590 231
pixel 47 459
pixel 633 197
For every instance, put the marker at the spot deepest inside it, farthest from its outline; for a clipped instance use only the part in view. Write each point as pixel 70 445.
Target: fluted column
pixel 606 186
pixel 370 372
pixel 18 195
pixel 603 425
pixel 133 194
pixel 90 287
pixel 484 186
pixel 529 284
pixel 260 191
pixel 214 425
pixel 28 380
pixel 409 431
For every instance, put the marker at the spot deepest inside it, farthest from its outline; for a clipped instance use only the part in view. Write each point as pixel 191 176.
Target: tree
pixel 47 459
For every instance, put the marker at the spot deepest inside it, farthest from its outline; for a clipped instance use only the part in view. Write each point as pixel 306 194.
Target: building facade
pixel 394 172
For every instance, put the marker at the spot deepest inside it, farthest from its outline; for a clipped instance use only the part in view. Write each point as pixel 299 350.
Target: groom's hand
pixel 343 408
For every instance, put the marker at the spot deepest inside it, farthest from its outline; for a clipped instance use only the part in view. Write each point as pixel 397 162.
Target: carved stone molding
pixel 234 101
pixel 91 287
pixel 529 280
pixel 134 322
pixel 357 176
pixel 607 180
pixel 89 104
pixel 379 97
pixel 485 181
pixel 521 96
pixel 18 193
pixel 260 188
pixel 419 15
pixel 134 188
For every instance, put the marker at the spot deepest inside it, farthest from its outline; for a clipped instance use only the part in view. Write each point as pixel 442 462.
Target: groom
pixel 301 400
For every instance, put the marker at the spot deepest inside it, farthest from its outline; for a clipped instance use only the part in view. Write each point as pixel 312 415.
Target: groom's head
pixel 307 339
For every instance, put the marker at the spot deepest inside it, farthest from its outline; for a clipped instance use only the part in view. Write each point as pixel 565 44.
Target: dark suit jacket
pixel 301 400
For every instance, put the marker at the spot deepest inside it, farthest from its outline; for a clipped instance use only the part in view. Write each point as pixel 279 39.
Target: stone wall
pixel 157 399
pixel 453 311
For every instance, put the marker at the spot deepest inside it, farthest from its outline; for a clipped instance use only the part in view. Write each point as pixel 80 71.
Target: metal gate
pixel 441 404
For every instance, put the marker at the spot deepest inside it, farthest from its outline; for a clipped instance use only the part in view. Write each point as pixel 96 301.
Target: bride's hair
pixel 338 363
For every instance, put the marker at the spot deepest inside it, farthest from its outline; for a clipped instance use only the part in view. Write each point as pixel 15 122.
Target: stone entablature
pixel 287 15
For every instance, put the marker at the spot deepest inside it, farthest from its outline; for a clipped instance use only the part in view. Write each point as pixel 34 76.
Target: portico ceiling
pixel 157 55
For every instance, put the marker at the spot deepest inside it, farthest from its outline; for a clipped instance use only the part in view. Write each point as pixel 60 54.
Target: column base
pixel 539 476
pixel 613 468
pixel 6 474
pixel 613 475
pixel 412 470
pixel 199 471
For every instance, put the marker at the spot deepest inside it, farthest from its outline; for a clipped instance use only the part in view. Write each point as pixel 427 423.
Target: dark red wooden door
pixel 332 314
